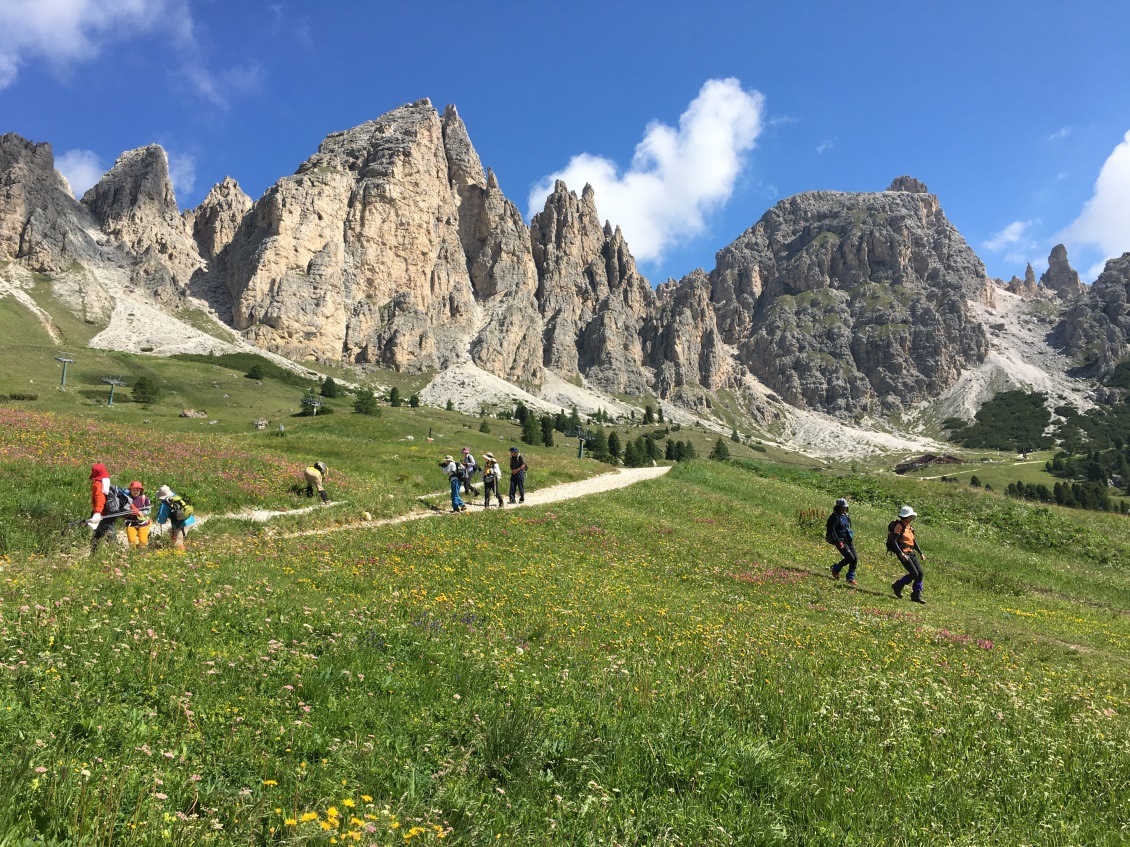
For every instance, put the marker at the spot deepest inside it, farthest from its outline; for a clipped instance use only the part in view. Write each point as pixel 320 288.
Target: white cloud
pixel 66 31
pixel 182 172
pixel 825 146
pixel 63 32
pixel 1061 133
pixel 82 168
pixel 677 176
pixel 1105 219
pixel 1014 234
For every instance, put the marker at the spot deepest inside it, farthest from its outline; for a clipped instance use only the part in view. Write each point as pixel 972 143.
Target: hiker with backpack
pixel 837 532
pixel 469 468
pixel 518 468
pixel 492 474
pixel 107 504
pixel 454 471
pixel 901 542
pixel 178 512
pixel 315 475
pixel 137 521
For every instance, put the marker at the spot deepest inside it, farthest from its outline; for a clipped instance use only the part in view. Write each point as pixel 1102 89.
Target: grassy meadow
pixel 666 664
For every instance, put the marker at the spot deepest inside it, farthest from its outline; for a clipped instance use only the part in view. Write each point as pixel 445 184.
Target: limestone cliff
pixel 592 298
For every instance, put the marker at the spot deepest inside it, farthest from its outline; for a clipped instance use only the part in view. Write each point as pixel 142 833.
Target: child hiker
pixel 901 542
pixel 177 512
pixel 838 533
pixel 492 475
pixel 137 521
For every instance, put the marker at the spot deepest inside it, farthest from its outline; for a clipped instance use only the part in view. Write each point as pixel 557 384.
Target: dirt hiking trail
pixel 620 478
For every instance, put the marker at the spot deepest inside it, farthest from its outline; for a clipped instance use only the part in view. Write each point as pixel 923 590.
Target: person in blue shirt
pixel 177 512
pixel 841 537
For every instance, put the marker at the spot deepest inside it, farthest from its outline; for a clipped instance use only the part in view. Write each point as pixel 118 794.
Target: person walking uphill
pixel 838 533
pixel 518 470
pixel 454 472
pixel 901 542
pixel 315 475
pixel 179 514
pixel 492 474
pixel 469 468
pixel 137 521
pixel 102 517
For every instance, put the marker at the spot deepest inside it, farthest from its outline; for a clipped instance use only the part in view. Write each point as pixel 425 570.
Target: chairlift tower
pixel 113 382
pixel 582 435
pixel 313 403
pixel 66 359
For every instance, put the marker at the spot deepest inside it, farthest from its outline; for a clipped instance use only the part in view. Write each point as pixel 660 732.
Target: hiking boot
pixel 851 581
pixel 835 573
pixel 897 588
pixel 462 508
pixel 917 597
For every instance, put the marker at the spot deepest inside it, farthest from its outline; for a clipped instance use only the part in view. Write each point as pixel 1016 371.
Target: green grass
pixel 667 664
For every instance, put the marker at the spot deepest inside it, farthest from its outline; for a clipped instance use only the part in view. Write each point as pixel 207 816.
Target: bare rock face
pixel 357 257
pixel 500 262
pixel 684 346
pixel 1097 326
pixel 592 298
pixel 1027 287
pixel 135 206
pixel 1060 277
pixel 40 221
pixel 908 184
pixel 216 220
pixel 852 302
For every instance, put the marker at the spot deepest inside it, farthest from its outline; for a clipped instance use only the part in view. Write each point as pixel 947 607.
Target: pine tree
pixel 394 397
pixel 365 403
pixel 669 452
pixel 720 452
pixel 648 414
pixel 614 448
pixel 598 447
pixel 329 388
pixel 547 430
pixel 521 413
pixel 531 430
pixel 414 401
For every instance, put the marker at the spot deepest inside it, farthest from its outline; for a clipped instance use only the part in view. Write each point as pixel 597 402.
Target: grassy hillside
pixel 668 664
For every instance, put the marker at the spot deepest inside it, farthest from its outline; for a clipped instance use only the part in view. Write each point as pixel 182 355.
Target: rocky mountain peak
pixel 1060 277
pixel 40 221
pixel 908 184
pixel 215 221
pixel 138 186
pixel 463 165
pixel 1097 326
pixel 852 302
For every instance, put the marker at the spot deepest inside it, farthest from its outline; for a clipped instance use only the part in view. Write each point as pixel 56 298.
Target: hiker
pixel 315 475
pixel 901 542
pixel 492 474
pixel 838 533
pixel 469 468
pixel 102 519
pixel 517 475
pixel 177 512
pixel 454 472
pixel 137 521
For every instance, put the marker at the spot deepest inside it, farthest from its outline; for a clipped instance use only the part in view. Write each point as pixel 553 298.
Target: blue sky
pixel 691 118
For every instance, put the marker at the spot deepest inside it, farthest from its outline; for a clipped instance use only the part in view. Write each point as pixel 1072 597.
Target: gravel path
pixel 621 478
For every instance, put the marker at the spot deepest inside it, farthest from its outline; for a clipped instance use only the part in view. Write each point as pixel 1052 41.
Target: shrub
pixel 146 390
pixel 366 403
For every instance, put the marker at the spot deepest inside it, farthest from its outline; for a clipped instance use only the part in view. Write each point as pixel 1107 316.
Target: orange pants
pixel 138 535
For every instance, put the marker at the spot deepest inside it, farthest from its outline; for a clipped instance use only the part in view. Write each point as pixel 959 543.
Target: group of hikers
pixel 461 478
pixel 132 506
pixel 900 541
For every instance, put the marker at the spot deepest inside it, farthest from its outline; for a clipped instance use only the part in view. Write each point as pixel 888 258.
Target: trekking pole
pixel 69 526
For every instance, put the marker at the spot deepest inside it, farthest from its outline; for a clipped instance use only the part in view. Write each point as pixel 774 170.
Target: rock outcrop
pixel 593 300
pixel 40 221
pixel 1096 328
pixel 135 206
pixel 1027 287
pixel 216 220
pixel 1060 278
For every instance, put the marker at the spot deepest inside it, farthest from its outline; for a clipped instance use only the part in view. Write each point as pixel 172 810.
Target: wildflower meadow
pixel 669 664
